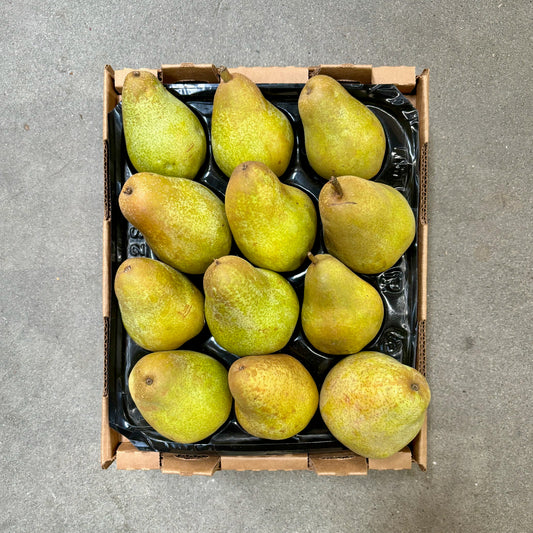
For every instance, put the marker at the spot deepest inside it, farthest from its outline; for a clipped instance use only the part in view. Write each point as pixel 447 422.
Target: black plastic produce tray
pixel 398 286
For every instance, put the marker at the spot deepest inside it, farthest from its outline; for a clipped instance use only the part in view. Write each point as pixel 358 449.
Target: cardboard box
pixel 115 446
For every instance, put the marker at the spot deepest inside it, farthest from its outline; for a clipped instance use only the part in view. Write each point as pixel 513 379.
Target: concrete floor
pixel 479 327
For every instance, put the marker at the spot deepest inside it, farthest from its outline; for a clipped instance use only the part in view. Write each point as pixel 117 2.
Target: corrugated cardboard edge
pixel 128 457
pixel 109 437
pixel 419 444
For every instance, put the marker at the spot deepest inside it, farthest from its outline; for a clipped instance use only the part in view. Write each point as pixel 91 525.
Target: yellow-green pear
pixel 373 404
pixel 342 135
pixel 273 224
pixel 160 308
pixel 162 134
pixel 367 225
pixel 275 396
pixel 247 127
pixel 183 395
pixel 183 222
pixel 249 310
pixel 341 313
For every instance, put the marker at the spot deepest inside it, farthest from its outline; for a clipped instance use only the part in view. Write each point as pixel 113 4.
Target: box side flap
pixel 130 458
pixel 422 104
pixel 273 74
pixel 420 446
pixel 399 461
pixel 338 464
pixel 422 286
pixel 295 461
pixel 110 96
pixel 346 72
pixel 421 348
pixel 411 98
pixel 403 77
pixel 109 437
pixel 120 76
pixel 189 72
pixel 106 268
pixel 188 465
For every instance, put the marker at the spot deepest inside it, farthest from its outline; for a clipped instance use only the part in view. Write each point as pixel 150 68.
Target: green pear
pixel 367 225
pixel 183 395
pixel 274 225
pixel 342 135
pixel 275 396
pixel 373 404
pixel 183 222
pixel 247 127
pixel 341 313
pixel 160 308
pixel 162 134
pixel 249 310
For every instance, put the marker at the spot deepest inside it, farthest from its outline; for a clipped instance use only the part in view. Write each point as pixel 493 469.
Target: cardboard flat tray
pixel 321 454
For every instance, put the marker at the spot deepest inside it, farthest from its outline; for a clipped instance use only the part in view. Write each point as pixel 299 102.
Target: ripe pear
pixel 367 225
pixel 249 310
pixel 183 395
pixel 275 396
pixel 162 134
pixel 373 404
pixel 342 135
pixel 274 225
pixel 160 308
pixel 247 127
pixel 183 222
pixel 341 313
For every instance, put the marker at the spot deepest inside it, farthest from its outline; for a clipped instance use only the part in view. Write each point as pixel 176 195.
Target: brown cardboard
pixel 274 74
pixel 420 446
pixel 120 75
pixel 398 461
pixel 338 464
pixel 110 96
pixel 403 77
pixel 188 465
pixel 346 72
pixel 422 104
pixel 189 72
pixel 130 458
pixel 110 438
pixel 293 461
pixel 345 463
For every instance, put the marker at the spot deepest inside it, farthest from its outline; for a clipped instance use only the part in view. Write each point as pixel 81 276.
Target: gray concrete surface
pixel 479 329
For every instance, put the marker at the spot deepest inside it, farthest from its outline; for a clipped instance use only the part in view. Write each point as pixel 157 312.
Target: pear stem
pixel 337 186
pixel 312 258
pixel 224 73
